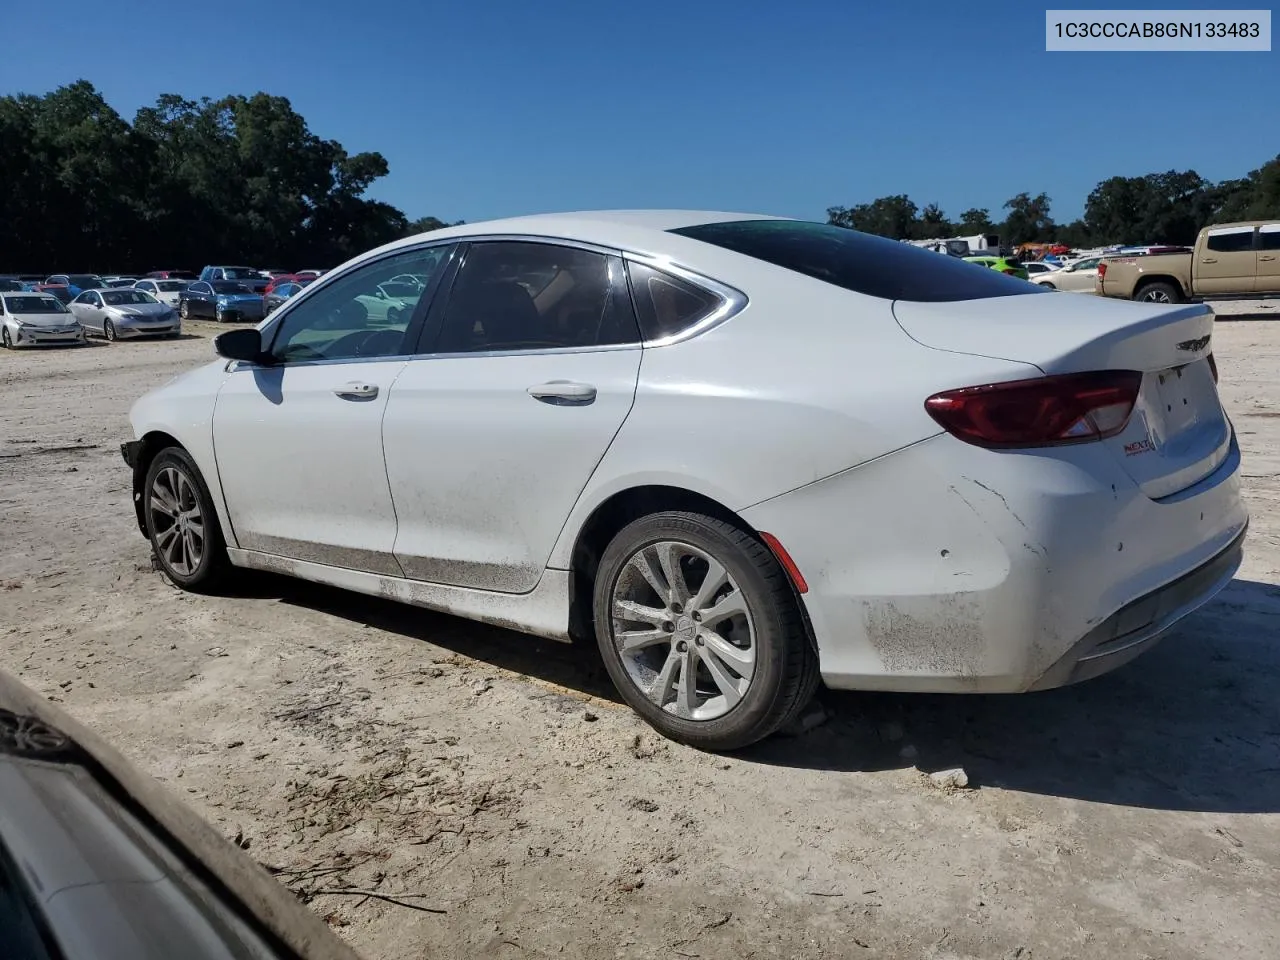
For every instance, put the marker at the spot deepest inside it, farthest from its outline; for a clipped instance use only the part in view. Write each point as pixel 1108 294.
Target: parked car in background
pixel 275 298
pixel 117 281
pixel 310 273
pixel 279 281
pixel 1075 277
pixel 59 290
pixel 118 314
pixel 221 300
pixel 77 283
pixel 1036 268
pixel 171 275
pixel 33 319
pixel 1229 260
pixel 1006 265
pixel 563 434
pixel 11 283
pixel 166 291
pixel 246 275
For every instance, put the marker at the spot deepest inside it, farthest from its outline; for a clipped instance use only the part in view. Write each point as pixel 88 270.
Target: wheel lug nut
pixel 668 626
pixel 675 608
pixel 697 616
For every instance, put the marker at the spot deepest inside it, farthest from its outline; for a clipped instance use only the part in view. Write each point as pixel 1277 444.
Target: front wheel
pixel 109 330
pixel 184 310
pixel 6 338
pixel 701 630
pixel 1047 285
pixel 181 523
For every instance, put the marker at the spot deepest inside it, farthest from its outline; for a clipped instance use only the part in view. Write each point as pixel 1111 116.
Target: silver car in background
pixel 117 314
pixel 31 319
pixel 166 291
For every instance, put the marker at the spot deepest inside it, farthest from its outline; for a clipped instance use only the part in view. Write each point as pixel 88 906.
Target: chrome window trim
pixel 732 300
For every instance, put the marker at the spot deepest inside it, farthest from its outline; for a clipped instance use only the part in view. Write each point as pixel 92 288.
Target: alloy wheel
pixel 1156 296
pixel 109 330
pixel 683 631
pixel 177 522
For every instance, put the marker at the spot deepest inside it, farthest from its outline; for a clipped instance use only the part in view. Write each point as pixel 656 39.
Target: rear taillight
pixel 1102 271
pixel 1075 408
pixel 1213 366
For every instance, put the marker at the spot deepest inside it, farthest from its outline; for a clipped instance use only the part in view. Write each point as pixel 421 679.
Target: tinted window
pixel 860 262
pixel 86 280
pixel 536 296
pixel 667 305
pixel 231 286
pixel 240 273
pixel 33 305
pixel 1270 236
pixel 117 298
pixel 352 316
pixel 1235 242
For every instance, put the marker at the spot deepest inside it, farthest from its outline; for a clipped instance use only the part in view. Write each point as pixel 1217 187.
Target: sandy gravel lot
pixel 360 745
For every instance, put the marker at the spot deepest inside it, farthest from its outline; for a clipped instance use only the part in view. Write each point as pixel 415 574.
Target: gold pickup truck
pixel 1229 260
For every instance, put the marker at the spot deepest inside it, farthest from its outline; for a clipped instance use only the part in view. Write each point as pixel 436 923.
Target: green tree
pixel 975 220
pixel 1028 220
pixel 933 223
pixel 893 217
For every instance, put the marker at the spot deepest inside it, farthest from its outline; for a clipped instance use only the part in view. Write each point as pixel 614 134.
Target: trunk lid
pixel 1178 433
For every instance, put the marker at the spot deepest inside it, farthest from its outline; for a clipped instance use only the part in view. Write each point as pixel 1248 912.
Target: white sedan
pixel 741 453
pixel 32 319
pixel 1037 268
pixel 1076 277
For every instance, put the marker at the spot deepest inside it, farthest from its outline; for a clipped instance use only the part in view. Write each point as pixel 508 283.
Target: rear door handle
pixel 357 390
pixel 563 392
pixel 1266 258
pixel 1209 260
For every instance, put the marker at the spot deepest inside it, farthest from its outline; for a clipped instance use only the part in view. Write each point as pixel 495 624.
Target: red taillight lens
pixel 1213 366
pixel 1075 408
pixel 1102 270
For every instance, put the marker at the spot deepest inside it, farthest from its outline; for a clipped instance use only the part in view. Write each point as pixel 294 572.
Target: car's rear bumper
pixel 948 568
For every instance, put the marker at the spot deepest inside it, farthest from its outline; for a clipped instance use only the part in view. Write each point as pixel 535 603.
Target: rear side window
pixel 860 262
pixel 667 305
pixel 1235 241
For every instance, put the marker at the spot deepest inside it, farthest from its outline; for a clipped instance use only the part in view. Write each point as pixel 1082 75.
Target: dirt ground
pixel 356 745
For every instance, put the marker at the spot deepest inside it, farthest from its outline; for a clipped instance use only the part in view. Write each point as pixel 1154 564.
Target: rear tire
pixel 1047 285
pixel 1158 292
pixel 740 636
pixel 182 523
pixel 184 310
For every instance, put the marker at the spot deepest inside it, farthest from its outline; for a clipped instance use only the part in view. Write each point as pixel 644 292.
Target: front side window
pixel 1269 236
pixel 359 314
pixel 516 295
pixel 1233 241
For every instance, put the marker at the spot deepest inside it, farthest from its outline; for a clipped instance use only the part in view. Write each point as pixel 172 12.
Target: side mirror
pixel 240 345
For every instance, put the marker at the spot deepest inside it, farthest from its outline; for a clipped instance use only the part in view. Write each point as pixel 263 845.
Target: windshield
pixel 241 273
pixel 33 305
pixel 85 281
pixel 228 286
pixel 859 262
pixel 169 286
pixel 117 298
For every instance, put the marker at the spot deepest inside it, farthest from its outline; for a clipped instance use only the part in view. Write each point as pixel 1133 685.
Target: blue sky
pixel 490 108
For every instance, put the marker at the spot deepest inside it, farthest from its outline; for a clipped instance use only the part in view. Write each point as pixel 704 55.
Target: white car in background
pixel 34 319
pixel 1037 268
pixel 1075 277
pixel 166 291
pixel 742 453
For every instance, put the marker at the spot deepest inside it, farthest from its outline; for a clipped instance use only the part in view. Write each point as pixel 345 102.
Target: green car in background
pixel 1008 265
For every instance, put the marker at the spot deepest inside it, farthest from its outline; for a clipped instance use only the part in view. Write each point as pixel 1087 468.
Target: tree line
pixel 234 180
pixel 1166 208
pixel 243 179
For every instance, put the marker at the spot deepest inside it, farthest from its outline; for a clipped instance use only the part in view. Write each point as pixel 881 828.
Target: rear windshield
pixel 859 261
pixel 240 273
pixel 230 286
pixel 169 286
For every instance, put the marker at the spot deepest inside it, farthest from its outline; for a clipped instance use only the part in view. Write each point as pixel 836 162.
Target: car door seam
pixel 386 470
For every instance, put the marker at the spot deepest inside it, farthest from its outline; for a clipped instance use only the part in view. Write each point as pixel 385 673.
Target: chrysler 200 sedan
pixel 746 454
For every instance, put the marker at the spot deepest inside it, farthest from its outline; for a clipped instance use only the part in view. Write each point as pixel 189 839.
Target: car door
pixel 528 370
pixel 298 440
pixel 1079 277
pixel 89 311
pixel 200 299
pixel 1227 263
pixel 1268 280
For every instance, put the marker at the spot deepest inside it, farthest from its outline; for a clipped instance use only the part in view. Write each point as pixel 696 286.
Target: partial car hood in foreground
pixel 115 867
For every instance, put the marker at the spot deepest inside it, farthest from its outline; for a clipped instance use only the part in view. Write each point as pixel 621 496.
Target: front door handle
pixel 357 390
pixel 1265 258
pixel 563 392
pixel 1209 260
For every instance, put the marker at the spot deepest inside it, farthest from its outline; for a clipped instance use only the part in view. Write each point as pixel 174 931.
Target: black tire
pixel 1158 291
pixel 1047 285
pixel 109 330
pixel 785 673
pixel 184 310
pixel 5 338
pixel 214 568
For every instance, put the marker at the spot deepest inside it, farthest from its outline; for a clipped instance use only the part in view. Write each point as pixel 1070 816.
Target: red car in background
pixel 59 290
pixel 171 275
